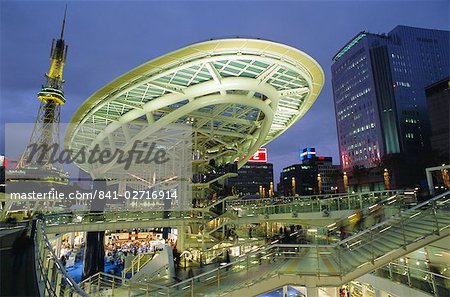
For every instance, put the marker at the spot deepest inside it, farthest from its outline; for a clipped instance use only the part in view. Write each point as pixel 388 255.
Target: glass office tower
pixel 379 93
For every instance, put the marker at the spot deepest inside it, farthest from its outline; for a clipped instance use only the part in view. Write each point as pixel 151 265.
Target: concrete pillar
pixel 71 239
pixel 331 291
pixel 364 290
pixel 58 247
pixel 312 292
pixel 181 238
pixel 94 252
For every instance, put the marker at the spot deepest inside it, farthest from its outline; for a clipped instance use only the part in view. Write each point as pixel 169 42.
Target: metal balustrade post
pixel 408 274
pixel 433 284
pixel 58 285
pixel 402 227
pixel 434 210
pixel 98 283
pixel 318 261
pixel 247 263
pixel 50 272
pixel 218 279
pixel 371 247
pixel 341 272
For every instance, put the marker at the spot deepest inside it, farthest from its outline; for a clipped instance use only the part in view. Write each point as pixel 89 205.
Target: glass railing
pixel 426 281
pixel 314 203
pixel 328 260
pixel 373 213
pixel 305 204
pixel 53 279
pixel 373 207
pixel 121 216
pixel 137 263
pixel 418 222
pixel 310 259
pixel 103 284
pixel 245 208
pixel 376 207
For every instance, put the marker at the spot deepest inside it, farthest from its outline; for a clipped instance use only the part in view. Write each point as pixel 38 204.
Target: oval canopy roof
pixel 235 94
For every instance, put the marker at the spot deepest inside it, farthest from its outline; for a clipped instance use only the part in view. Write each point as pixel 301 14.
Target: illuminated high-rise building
pixel 379 94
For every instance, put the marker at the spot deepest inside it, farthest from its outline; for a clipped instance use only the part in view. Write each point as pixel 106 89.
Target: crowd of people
pixel 117 250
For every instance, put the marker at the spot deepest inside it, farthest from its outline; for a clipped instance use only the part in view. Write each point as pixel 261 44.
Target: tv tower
pixel 46 129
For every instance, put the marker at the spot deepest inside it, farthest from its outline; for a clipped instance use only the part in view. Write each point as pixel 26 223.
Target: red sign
pixel 259 156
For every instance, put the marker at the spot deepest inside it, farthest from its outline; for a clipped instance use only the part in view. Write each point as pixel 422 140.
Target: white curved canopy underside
pixel 235 94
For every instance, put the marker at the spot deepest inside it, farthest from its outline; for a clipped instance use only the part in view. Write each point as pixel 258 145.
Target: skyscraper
pixel 379 94
pixel 326 172
pixel 254 178
pixel 438 102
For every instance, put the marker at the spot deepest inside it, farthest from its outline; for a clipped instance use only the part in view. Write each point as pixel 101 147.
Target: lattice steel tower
pixel 46 129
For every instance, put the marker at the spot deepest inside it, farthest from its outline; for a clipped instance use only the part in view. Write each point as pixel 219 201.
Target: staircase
pixel 314 264
pixel 137 263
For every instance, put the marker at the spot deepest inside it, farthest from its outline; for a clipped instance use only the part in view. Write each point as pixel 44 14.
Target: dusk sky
pixel 109 38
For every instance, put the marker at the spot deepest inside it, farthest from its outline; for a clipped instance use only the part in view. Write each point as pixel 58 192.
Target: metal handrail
pixel 313 197
pixel 137 262
pixel 259 250
pixel 101 275
pixel 377 226
pixel 271 248
pixel 417 269
pixel 386 200
pixel 58 263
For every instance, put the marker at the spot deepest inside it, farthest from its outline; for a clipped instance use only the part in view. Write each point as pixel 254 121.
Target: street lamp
pixel 445 177
pixel 319 183
pixel 293 186
pixel 387 184
pixel 345 182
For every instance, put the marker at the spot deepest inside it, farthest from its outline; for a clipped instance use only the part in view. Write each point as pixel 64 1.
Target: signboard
pixel 307 153
pixel 259 156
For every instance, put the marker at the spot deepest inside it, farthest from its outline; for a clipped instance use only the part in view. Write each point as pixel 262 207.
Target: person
pixel 378 214
pixel 190 273
pixel 358 221
pixel 343 232
pixel 63 260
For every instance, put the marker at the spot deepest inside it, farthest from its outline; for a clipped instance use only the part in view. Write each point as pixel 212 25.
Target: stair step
pixel 410 236
pixel 422 229
pixel 395 241
pixel 361 255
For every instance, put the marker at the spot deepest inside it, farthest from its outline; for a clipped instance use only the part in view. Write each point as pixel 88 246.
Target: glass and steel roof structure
pixel 235 94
